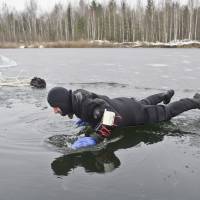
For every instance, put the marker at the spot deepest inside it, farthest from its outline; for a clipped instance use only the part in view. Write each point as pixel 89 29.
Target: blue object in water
pixel 84 142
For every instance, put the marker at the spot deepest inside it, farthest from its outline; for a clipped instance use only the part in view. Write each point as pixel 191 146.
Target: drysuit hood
pixel 62 98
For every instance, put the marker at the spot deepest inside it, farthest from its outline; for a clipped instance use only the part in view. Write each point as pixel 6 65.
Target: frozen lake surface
pixel 152 162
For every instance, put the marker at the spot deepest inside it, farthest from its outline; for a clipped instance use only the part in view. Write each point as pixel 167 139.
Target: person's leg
pixel 164 97
pixel 159 113
pixel 182 105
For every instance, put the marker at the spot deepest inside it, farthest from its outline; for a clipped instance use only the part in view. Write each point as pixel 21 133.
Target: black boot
pixel 196 98
pixel 169 94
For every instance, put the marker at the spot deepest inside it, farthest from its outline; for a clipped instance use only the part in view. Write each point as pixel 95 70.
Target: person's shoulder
pixel 85 93
pixel 81 95
pixel 81 90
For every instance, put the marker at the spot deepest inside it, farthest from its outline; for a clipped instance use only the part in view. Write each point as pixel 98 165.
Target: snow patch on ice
pixel 6 62
pixel 165 87
pixel 186 62
pixel 188 70
pixel 165 76
pixel 190 77
pixel 157 65
pixel 109 64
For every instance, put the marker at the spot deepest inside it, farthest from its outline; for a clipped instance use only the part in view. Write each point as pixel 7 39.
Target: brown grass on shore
pixel 57 44
pixel 6 45
pixel 76 44
pixel 91 44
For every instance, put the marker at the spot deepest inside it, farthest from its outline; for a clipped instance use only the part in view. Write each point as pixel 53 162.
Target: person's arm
pixel 92 111
pixel 102 131
pixel 99 110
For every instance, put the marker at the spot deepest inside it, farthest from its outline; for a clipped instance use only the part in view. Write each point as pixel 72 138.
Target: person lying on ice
pixel 103 113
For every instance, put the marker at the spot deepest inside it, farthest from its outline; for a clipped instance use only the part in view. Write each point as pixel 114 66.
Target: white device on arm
pixel 108 118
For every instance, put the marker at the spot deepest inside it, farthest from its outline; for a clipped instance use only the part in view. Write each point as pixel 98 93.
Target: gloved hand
pixel 80 123
pixel 83 142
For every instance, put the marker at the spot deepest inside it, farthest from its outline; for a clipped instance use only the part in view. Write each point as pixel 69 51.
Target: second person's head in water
pixel 37 82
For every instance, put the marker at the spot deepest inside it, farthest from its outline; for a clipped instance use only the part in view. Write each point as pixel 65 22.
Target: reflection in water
pixel 105 160
pixel 101 162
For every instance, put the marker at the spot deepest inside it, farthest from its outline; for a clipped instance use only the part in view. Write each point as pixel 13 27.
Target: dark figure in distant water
pixel 103 113
pixel 37 82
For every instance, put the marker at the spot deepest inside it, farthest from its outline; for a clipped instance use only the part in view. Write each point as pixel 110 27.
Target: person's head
pixel 37 82
pixel 61 100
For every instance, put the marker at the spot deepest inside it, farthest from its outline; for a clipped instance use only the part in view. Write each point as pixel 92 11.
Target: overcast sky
pixel 48 4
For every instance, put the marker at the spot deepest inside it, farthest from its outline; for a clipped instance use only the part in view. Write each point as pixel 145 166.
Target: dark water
pixel 151 162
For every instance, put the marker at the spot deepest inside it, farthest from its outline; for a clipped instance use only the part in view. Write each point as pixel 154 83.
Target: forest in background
pixel 164 21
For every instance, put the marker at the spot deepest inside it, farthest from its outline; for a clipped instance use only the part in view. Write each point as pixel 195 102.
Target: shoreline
pixel 101 44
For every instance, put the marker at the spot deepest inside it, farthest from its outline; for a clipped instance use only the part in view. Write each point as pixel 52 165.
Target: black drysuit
pixel 90 107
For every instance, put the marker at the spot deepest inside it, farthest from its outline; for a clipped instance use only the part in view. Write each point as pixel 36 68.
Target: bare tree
pixel 163 21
